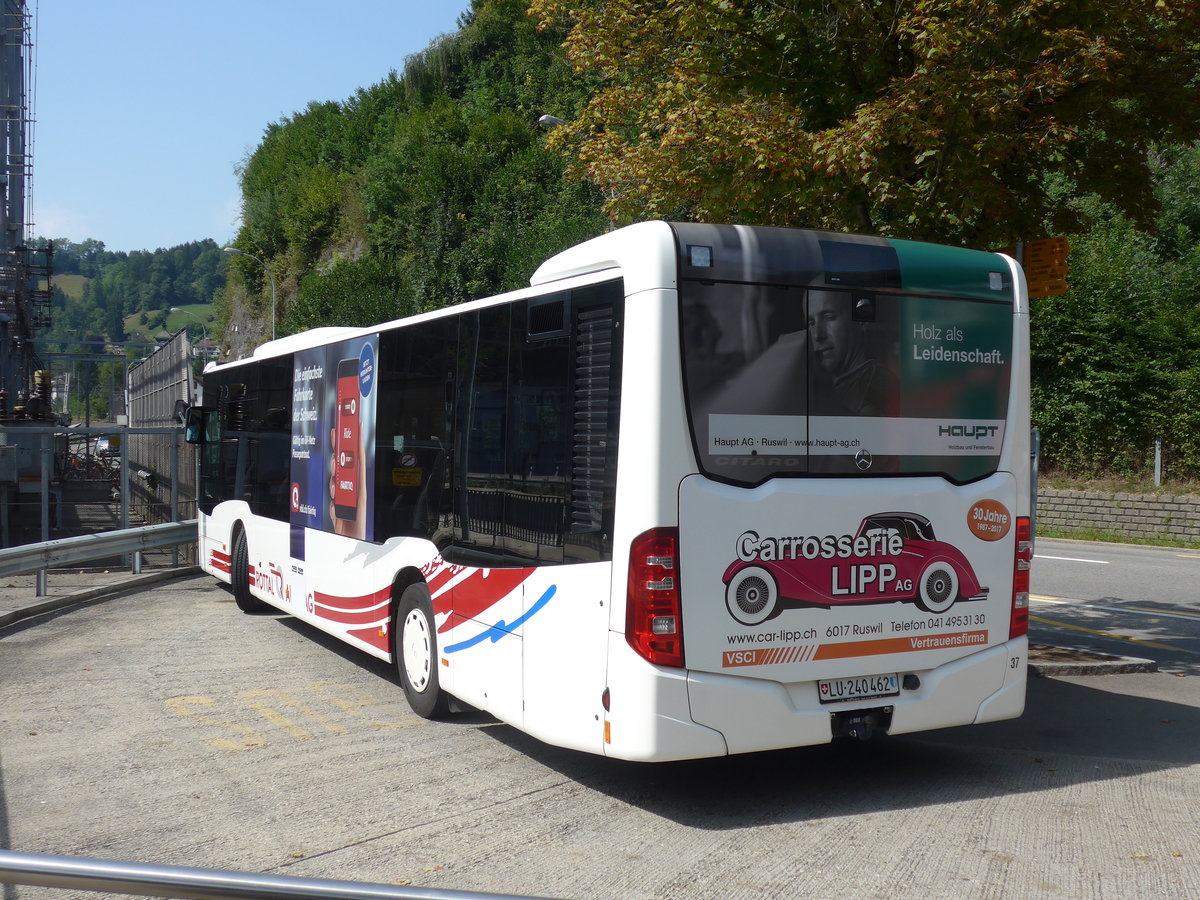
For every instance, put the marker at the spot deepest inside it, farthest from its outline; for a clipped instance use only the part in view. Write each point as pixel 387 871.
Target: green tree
pixel 1116 359
pixel 936 119
pixel 429 188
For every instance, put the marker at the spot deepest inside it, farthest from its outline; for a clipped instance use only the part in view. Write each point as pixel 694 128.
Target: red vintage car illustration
pixel 893 556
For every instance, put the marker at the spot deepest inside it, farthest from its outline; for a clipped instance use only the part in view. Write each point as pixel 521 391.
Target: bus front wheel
pixel 416 653
pixel 239 576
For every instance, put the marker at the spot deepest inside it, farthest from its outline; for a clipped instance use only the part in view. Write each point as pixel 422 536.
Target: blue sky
pixel 144 108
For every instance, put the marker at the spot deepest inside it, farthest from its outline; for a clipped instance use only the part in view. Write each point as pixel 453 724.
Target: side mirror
pixel 181 408
pixel 194 424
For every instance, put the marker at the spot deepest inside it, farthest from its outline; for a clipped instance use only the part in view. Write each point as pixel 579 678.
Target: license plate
pixel 865 687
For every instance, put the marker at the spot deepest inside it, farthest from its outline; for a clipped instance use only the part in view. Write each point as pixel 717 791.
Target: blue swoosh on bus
pixel 501 628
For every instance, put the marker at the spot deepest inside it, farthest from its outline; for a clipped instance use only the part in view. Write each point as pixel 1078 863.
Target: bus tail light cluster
pixel 1021 563
pixel 653 619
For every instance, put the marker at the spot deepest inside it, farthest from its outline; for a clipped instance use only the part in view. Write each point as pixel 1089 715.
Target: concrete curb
pixel 24 610
pixel 1087 662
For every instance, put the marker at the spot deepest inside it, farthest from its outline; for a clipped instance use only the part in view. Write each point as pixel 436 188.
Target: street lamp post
pixel 203 327
pixel 204 353
pixel 237 252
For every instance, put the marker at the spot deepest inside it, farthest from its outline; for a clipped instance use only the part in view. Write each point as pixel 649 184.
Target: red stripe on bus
pixel 375 636
pixel 353 610
pixel 482 589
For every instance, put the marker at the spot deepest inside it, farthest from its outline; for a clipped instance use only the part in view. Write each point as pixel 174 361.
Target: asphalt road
pixel 1116 598
pixel 166 727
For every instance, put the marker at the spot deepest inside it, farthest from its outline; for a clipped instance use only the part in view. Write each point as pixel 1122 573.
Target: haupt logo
pixel 968 431
pixel 892 556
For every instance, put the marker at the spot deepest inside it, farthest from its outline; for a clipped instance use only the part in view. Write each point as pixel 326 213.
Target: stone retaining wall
pixel 1144 516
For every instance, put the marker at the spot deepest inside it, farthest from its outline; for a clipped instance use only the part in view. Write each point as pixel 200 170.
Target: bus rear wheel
pixel 938 588
pixel 239 576
pixel 752 595
pixel 415 652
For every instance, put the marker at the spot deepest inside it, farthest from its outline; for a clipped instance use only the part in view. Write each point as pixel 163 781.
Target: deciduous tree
pixel 936 119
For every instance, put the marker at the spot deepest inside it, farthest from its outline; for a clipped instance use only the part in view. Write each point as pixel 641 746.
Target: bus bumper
pixel 649 719
pixel 755 714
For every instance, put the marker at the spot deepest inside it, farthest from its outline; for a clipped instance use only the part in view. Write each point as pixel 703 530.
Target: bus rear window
pixel 842 380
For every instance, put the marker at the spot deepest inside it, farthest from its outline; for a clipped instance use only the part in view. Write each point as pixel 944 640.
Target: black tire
pixel 415 651
pixel 938 588
pixel 239 574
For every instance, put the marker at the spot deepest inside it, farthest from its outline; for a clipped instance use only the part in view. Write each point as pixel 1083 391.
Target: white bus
pixel 699 490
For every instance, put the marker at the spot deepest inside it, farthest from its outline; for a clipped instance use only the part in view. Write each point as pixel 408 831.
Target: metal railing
pixel 72 550
pixel 146 880
pixel 38 442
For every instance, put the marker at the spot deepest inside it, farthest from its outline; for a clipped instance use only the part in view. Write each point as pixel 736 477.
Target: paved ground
pixel 164 726
pixel 64 588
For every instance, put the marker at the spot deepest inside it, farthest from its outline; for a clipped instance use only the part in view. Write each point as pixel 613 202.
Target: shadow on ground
pixel 1070 734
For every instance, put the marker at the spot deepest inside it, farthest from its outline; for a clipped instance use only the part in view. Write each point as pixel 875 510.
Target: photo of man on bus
pixel 847 377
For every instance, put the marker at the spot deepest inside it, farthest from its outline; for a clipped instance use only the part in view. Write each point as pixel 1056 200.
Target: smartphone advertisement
pixel 333 437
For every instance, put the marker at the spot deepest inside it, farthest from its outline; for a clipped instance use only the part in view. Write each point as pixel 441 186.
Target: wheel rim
pixel 417 650
pixel 752 595
pixel 939 588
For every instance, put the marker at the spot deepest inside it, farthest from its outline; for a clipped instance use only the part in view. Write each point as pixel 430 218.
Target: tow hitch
pixel 862 724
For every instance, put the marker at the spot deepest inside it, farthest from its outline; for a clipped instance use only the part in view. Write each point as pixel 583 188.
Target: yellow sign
pixel 1045 265
pixel 1047 288
pixel 406 477
pixel 1048 251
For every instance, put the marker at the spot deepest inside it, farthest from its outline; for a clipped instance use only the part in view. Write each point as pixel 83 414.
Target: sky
pixel 145 108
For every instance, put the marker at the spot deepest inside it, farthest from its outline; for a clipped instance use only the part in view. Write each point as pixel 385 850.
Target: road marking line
pixel 1099 562
pixel 1163 612
pixel 1083 604
pixel 1109 634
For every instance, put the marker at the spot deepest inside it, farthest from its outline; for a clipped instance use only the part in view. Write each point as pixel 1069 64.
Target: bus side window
pixel 413 435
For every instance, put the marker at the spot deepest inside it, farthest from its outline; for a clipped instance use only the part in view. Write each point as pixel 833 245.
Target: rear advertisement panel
pixel 808 355
pixel 920 385
pixel 799 580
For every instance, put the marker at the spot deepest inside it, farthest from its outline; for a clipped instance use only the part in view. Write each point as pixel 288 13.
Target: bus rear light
pixel 652 609
pixel 1019 623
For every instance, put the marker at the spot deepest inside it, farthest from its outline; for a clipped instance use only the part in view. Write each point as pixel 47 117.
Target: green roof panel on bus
pixel 955 271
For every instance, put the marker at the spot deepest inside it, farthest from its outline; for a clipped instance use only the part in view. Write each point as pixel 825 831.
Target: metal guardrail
pixel 29 434
pixel 146 880
pixel 71 550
